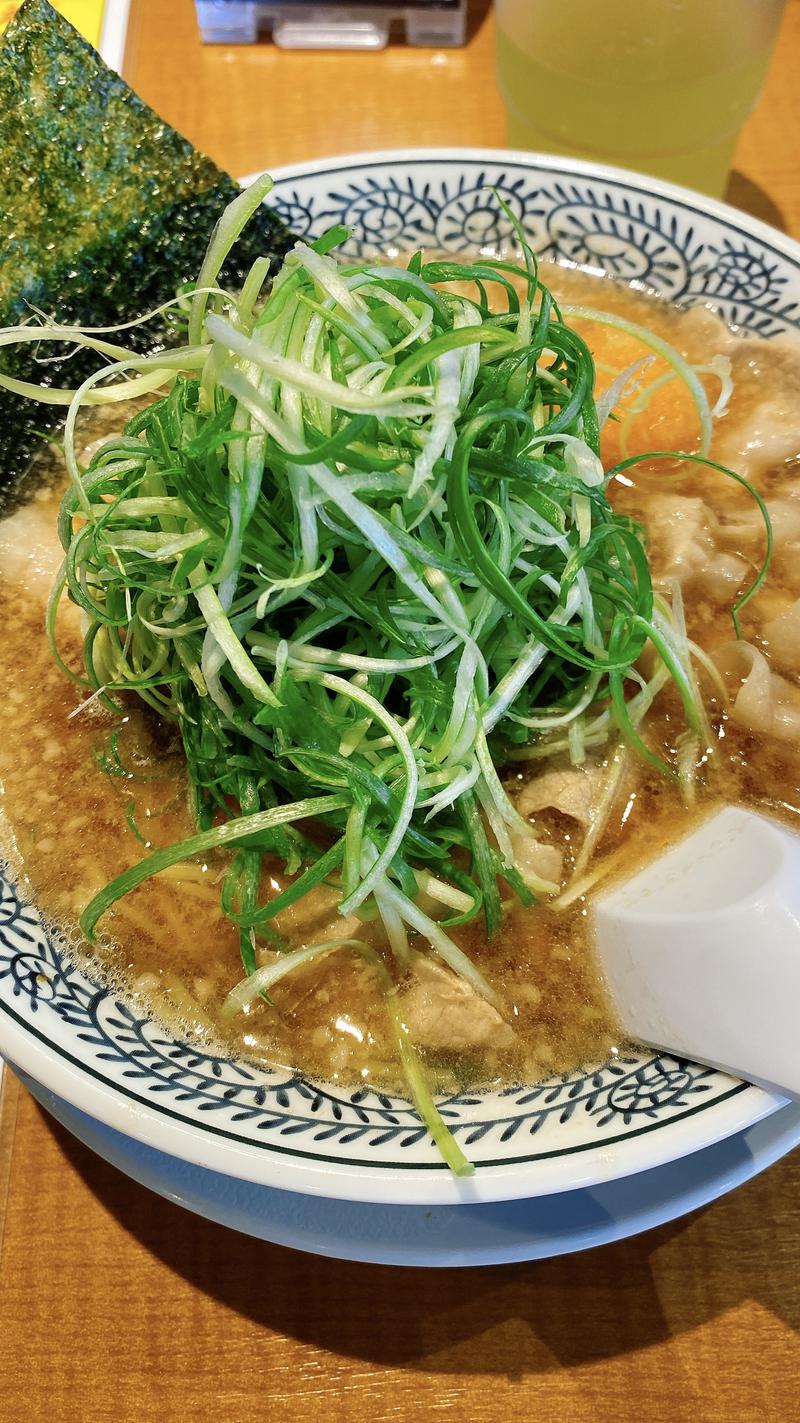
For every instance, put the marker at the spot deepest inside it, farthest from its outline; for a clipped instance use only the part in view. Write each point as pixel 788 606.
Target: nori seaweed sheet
pixel 104 211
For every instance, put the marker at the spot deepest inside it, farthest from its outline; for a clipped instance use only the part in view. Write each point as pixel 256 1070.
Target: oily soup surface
pixel 78 795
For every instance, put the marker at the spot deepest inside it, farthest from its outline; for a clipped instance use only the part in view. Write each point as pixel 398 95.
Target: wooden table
pixel 117 1307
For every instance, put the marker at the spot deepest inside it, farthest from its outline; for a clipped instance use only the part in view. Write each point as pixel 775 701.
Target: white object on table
pixel 701 950
pixel 114 33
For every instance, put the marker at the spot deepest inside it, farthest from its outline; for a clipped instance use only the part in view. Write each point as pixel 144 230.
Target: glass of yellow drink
pixel 661 86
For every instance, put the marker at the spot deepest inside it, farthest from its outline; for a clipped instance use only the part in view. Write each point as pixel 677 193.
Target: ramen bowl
pixel 79 1040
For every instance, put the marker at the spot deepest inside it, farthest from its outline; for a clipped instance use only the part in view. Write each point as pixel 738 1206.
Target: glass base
pixel 706 170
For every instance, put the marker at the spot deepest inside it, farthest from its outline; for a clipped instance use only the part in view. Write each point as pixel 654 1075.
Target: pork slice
pixel 759 432
pixel 568 789
pixel 683 544
pixel 444 1013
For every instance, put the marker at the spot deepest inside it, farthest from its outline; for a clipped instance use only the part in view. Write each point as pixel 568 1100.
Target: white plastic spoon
pixel 701 950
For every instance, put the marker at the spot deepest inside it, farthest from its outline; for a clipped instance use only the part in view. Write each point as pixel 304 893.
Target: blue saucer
pixel 500 1233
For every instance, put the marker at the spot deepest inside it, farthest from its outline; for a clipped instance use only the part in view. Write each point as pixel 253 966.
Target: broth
pixel 80 793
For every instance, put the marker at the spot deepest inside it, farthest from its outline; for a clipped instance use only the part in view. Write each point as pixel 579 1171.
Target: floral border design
pixel 662 244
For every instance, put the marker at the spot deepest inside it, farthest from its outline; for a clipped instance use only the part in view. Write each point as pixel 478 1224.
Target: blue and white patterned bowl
pixel 82 1042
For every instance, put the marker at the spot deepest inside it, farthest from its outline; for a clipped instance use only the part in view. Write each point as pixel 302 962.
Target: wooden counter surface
pixel 117 1307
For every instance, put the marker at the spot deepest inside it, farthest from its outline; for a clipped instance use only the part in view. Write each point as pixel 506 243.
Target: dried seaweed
pixel 104 209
